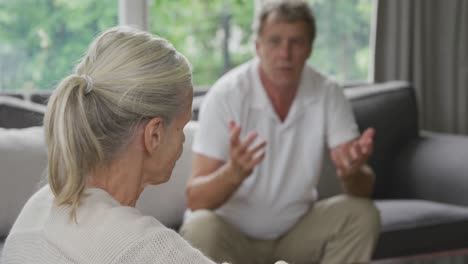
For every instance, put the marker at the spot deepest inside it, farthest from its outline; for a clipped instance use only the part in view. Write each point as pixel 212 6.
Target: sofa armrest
pixel 18 113
pixel 433 167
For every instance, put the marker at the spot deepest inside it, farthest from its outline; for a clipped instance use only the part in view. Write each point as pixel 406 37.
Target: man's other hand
pixel 350 157
pixel 244 157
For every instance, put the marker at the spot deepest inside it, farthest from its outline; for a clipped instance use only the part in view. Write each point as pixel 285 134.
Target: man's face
pixel 283 49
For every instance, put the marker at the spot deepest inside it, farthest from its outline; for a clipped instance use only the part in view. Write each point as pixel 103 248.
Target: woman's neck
pixel 122 178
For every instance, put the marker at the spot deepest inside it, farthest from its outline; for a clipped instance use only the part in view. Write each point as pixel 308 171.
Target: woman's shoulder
pixel 99 208
pixel 109 229
pixel 136 238
pixel 35 212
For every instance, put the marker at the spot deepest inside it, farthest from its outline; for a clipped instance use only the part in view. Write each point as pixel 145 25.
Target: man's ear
pixel 153 134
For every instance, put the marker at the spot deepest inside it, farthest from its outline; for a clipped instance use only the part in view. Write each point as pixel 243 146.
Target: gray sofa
pixel 422 178
pixel 420 188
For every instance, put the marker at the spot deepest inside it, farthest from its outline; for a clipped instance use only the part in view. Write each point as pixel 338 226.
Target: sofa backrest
pixel 23 161
pixel 391 109
pixel 19 113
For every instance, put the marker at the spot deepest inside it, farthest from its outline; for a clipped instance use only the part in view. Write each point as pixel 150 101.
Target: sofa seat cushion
pixel 415 226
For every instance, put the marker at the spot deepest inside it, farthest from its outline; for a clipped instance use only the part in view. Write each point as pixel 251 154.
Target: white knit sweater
pixel 107 232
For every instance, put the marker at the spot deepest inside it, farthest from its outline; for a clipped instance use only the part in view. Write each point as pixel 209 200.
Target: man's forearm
pixel 213 190
pixel 360 184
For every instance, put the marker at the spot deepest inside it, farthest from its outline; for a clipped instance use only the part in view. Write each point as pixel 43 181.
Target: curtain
pixel 425 42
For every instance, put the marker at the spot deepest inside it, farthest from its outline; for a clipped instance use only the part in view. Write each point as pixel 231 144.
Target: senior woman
pixel 112 127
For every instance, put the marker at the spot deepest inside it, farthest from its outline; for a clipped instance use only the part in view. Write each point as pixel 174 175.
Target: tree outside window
pixel 41 40
pixel 342 47
pixel 214 35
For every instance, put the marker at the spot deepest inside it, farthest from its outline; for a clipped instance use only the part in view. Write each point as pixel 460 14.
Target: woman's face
pixel 171 145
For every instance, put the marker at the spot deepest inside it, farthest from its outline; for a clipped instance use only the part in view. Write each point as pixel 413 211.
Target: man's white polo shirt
pixel 283 186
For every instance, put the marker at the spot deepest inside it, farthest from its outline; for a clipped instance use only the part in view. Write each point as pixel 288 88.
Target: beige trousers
pixel 338 230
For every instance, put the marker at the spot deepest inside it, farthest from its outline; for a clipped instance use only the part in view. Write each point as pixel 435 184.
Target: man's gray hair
pixel 286 10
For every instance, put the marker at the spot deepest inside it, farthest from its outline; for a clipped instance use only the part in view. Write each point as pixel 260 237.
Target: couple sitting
pixel 116 125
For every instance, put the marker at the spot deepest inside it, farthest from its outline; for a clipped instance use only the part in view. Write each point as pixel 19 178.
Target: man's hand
pixel 350 157
pixel 214 181
pixel 243 158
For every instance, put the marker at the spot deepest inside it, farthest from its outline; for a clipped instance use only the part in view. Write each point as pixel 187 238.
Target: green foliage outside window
pixel 41 40
pixel 195 27
pixel 341 48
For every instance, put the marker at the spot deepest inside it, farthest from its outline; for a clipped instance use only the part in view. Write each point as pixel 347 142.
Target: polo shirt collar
pixel 306 94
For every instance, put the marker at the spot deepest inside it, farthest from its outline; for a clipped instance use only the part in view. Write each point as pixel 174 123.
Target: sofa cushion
pixel 391 109
pixel 433 167
pixel 415 226
pixel 23 162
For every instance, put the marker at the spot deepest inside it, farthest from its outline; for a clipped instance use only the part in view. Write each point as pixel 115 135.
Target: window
pixel 216 35
pixel 41 40
pixel 342 48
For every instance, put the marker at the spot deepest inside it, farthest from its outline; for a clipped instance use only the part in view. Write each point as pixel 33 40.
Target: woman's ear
pixel 153 133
